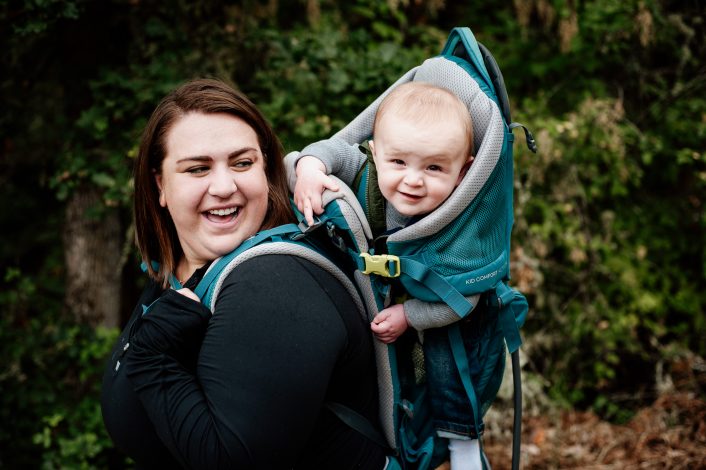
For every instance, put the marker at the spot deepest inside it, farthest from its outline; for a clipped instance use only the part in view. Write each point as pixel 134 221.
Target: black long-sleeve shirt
pixel 245 388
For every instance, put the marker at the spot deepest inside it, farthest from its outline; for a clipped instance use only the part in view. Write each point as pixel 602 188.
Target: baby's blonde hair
pixel 424 102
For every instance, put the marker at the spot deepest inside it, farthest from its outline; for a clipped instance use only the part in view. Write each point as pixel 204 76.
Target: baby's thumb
pixel 380 317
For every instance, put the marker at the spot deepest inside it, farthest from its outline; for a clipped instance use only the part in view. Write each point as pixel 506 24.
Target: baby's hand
pixel 312 180
pixel 389 324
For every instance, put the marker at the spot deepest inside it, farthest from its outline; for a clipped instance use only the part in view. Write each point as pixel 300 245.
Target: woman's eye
pixel 242 164
pixel 197 169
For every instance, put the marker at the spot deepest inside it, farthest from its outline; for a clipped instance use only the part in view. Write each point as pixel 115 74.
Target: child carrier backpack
pixel 470 256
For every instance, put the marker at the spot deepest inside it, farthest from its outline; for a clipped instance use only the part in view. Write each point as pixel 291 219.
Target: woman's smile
pixel 221 216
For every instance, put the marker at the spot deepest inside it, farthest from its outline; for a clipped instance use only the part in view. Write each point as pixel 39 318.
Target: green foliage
pixel 111 118
pixel 610 212
pixel 314 82
pixel 36 16
pixel 73 434
pixel 569 224
pixel 51 375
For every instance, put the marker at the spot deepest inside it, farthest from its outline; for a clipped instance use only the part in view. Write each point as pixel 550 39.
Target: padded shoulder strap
pixel 293 240
pixel 217 267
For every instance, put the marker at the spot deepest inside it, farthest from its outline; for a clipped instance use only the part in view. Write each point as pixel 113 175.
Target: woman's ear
pixel 158 180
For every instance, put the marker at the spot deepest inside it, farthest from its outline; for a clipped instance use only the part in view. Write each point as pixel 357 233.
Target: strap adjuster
pixel 381 265
pixel 305 228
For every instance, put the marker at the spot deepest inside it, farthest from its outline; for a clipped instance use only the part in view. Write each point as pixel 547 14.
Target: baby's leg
pixel 450 406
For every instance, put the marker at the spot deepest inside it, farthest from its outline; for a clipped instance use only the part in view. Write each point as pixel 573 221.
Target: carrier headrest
pixel 444 73
pixel 488 129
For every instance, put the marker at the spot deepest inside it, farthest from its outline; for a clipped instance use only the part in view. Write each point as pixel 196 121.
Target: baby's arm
pixel 424 315
pixel 332 156
pixel 312 181
pixel 391 322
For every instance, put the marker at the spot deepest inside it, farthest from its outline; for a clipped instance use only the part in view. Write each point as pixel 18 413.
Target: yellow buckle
pixel 380 264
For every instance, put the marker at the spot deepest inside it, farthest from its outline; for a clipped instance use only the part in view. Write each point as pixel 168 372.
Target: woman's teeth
pixel 223 212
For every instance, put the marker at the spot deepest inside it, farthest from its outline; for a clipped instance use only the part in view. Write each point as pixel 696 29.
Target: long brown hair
pixel 156 234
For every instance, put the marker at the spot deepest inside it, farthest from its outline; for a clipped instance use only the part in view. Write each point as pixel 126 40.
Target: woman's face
pixel 213 184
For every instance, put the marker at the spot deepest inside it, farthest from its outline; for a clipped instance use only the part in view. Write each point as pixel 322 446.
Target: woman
pixel 246 386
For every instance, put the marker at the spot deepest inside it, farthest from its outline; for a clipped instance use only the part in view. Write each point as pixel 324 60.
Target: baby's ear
pixel 464 169
pixel 371 144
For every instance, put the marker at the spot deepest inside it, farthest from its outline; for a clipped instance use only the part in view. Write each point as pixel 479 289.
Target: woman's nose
pixel 222 184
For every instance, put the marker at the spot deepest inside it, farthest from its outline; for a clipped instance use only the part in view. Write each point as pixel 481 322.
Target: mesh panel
pixel 420 374
pixel 477 236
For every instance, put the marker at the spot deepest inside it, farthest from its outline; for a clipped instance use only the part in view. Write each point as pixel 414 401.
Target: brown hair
pixel 425 102
pixel 156 235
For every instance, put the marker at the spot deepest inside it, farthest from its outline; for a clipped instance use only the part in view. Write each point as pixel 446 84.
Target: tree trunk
pixel 92 250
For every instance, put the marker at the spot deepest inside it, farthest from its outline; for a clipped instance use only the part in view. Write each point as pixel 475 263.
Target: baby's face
pixel 418 165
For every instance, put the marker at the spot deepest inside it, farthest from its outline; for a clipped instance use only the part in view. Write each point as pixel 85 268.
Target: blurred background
pixel 609 233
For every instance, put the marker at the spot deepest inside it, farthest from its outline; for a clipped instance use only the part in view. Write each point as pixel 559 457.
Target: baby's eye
pixel 434 168
pixel 397 161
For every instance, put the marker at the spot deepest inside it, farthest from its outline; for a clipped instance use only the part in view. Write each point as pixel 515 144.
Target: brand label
pixel 482 277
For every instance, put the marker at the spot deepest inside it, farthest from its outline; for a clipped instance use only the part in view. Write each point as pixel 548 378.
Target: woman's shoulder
pixel 280 271
pixel 272 277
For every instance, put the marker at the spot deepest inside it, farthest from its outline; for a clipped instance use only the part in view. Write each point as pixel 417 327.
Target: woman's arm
pixel 277 347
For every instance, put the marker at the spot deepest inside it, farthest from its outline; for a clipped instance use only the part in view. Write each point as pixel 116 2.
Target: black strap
pixel 529 138
pixel 358 422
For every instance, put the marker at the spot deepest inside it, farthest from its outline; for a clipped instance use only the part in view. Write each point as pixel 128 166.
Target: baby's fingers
pixel 329 183
pixel 385 338
pixel 381 316
pixel 308 212
pixel 317 204
pixel 380 328
pixel 303 203
pixel 300 196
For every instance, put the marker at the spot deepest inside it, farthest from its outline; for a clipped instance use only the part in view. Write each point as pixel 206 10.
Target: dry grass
pixel 671 433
